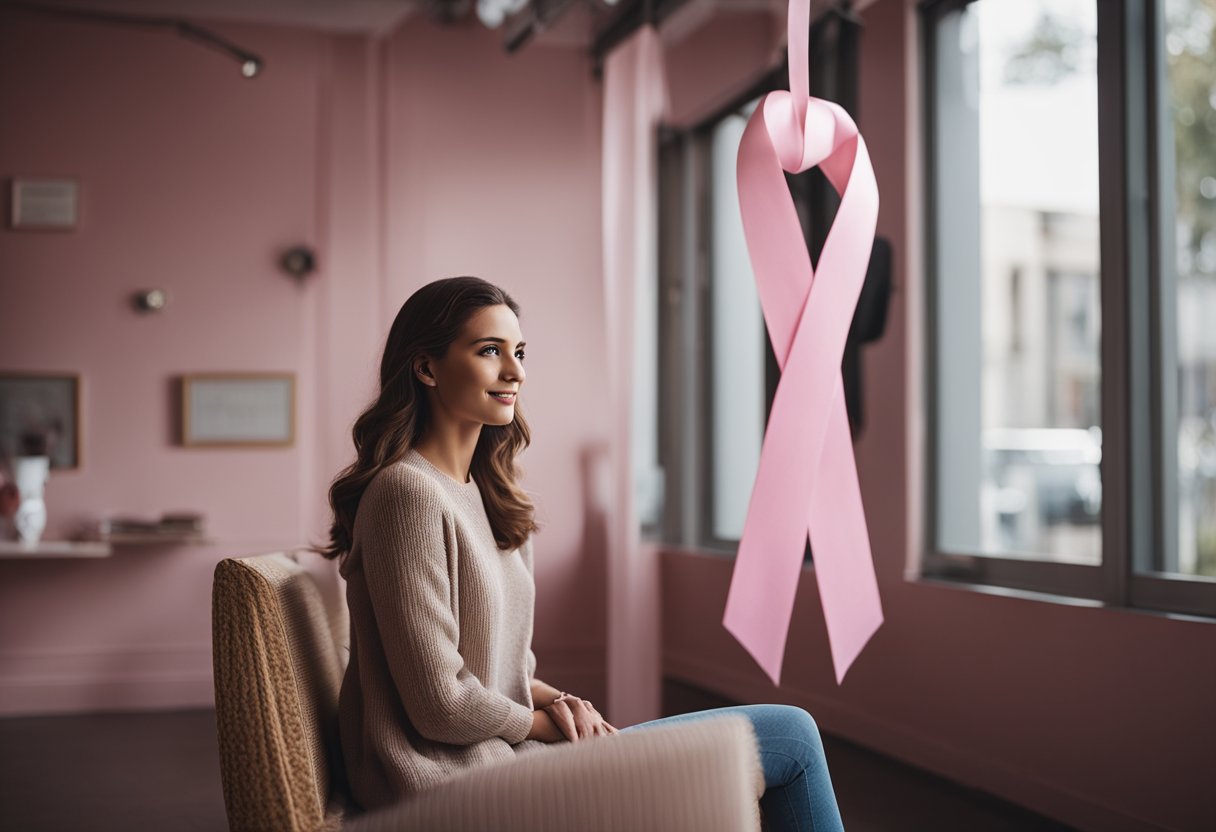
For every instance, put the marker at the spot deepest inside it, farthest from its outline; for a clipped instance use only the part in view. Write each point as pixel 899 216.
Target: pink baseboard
pixel 86 681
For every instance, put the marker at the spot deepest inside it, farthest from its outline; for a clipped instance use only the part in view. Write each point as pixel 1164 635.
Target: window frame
pixel 1138 410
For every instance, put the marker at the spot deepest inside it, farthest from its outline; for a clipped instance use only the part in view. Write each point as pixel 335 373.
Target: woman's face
pixel 486 358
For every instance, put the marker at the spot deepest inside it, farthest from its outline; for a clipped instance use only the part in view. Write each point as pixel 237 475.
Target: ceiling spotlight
pixel 491 13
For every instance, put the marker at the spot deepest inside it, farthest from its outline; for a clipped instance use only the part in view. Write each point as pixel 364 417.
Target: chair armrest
pixel 701 775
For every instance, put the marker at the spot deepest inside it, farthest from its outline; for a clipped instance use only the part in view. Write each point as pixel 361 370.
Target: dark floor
pixel 160 771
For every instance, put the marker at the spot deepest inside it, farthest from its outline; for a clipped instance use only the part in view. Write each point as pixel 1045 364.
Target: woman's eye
pixel 520 354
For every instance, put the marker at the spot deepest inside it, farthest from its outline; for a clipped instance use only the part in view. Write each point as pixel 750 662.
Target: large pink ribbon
pixel 807 479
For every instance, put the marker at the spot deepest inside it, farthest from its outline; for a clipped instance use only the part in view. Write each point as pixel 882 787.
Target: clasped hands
pixel 576 719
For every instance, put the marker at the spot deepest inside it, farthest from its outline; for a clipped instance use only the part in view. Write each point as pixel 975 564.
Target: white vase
pixel 30 473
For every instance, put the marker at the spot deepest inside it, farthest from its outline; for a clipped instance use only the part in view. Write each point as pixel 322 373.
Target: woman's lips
pixel 507 399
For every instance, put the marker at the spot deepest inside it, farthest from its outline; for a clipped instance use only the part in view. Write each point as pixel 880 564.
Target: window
pixel 716 365
pixel 1062 459
pixel 1016 167
pixel 717 372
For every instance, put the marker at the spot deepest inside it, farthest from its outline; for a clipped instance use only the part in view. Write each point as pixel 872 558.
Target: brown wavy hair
pixel 426 325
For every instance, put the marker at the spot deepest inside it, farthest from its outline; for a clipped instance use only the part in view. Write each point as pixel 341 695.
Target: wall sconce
pixel 299 262
pixel 150 300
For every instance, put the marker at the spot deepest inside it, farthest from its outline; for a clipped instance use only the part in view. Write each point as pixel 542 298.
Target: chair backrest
pixel 279 649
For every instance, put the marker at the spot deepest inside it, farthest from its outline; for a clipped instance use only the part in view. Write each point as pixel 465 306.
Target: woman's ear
pixel 422 369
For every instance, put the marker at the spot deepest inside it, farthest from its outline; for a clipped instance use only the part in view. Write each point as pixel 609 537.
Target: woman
pixel 435 540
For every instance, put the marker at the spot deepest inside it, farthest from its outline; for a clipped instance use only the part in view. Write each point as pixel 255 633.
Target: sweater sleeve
pixel 405 560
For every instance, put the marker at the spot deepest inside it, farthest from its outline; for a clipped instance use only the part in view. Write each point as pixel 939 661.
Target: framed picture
pixel 238 409
pixel 43 204
pixel 40 414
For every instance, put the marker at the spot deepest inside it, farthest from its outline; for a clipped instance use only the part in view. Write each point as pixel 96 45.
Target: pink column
pixel 635 100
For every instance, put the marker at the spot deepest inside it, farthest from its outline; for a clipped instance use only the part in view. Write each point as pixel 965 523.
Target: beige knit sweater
pixel 440 636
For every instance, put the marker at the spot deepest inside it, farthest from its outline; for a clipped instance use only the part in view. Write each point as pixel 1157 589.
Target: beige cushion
pixel 702 775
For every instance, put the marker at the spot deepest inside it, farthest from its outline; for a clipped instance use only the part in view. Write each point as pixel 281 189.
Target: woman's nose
pixel 514 370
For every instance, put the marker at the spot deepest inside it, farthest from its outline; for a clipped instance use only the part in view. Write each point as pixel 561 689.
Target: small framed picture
pixel 40 416
pixel 43 204
pixel 238 409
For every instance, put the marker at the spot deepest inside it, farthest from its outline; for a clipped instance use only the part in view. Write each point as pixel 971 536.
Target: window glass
pixel 737 340
pixel 1017 306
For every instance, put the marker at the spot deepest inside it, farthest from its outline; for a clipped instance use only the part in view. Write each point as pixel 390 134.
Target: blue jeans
pixel 798 793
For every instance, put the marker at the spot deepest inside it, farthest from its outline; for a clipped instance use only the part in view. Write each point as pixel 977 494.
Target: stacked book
pixel 172 526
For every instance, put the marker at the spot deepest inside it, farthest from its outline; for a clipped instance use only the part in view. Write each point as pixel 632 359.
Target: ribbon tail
pixel 840 545
pixel 768 566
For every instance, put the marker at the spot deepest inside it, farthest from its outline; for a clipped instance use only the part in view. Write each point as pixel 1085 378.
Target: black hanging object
pixel 869 322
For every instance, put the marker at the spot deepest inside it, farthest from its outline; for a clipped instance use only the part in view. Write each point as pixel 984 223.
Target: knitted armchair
pixel 278 659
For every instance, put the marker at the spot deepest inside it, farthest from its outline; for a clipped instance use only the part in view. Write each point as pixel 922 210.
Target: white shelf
pixel 55 549
pixel 163 538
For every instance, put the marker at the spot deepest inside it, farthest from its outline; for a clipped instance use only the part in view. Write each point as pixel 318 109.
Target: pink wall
pixel 191 179
pixel 428 155
pixel 1102 718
